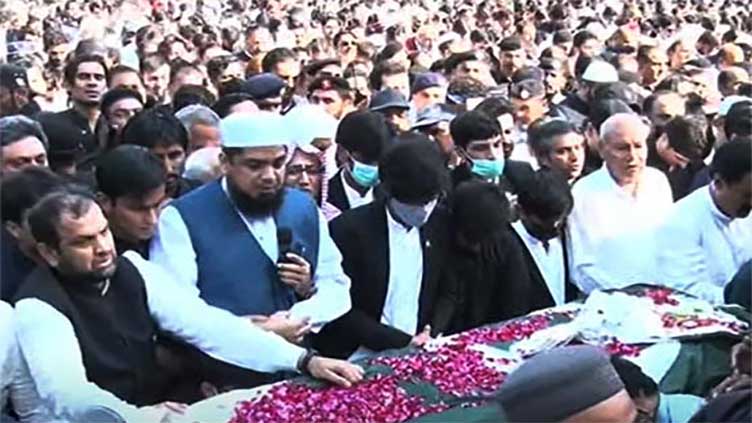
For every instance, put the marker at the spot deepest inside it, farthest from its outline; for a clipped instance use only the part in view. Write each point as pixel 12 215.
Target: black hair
pixel 22 189
pixel 225 103
pixel 116 94
pixel 581 37
pixel 546 194
pixel 604 109
pixel 328 82
pixel 413 170
pixel 117 70
pixel 179 65
pixel 635 381
pixel 473 126
pixel 389 50
pixel 542 132
pixel 71 68
pixel 364 132
pixel 217 65
pixel 384 69
pixel 18 127
pixel 733 160
pixel 155 127
pixel 192 94
pixel 276 56
pixel 152 62
pixel 45 216
pixel 686 135
pixel 479 210
pixel 128 171
pixel 737 122
pixel 494 107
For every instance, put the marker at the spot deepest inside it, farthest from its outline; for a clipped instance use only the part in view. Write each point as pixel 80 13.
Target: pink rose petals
pixel 661 296
pixel 453 369
pixel 513 331
pixel 379 399
pixel 618 348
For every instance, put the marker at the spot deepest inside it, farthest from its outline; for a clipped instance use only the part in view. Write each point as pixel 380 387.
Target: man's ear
pixel 49 254
pixel 224 162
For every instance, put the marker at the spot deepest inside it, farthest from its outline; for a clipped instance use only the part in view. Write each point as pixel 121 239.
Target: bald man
pixel 617 210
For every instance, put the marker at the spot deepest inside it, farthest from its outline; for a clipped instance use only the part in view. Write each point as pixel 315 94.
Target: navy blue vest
pixel 234 273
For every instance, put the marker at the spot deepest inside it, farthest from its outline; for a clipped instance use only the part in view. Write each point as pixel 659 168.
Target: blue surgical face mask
pixel 488 169
pixel 411 215
pixel 364 175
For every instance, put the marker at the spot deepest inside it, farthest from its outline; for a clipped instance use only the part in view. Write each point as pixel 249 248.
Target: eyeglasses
pixel 311 170
pixel 347 44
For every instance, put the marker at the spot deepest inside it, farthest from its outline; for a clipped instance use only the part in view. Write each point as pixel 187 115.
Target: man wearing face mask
pixel 543 206
pixel 479 142
pixel 361 139
pixel 708 235
pixel 394 251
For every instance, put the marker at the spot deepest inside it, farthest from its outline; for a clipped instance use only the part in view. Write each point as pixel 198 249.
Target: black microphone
pixel 284 241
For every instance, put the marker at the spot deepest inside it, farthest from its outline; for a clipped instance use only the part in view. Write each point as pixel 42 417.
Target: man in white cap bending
pixel 249 244
pixel 569 384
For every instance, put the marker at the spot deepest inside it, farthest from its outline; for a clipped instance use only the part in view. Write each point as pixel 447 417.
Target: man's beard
pixel 263 205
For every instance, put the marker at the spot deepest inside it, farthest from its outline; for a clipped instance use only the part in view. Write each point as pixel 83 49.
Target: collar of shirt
pixel 609 180
pixel 353 196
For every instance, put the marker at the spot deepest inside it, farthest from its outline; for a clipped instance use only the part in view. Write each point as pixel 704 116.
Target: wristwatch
pixel 304 360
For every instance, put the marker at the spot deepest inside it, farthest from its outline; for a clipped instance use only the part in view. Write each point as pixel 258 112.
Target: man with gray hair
pixel 617 210
pixel 23 144
pixel 202 125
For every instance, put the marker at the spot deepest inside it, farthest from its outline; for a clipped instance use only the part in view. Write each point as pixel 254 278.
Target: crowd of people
pixel 200 196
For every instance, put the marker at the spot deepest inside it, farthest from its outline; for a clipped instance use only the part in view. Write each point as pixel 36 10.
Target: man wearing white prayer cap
pixel 574 384
pixel 249 244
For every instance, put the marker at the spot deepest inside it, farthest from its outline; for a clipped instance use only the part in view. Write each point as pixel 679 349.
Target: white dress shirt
pixel 402 301
pixel 701 248
pixel 353 196
pixel 172 249
pixel 16 383
pixel 550 261
pixel 612 233
pixel 405 277
pixel 49 343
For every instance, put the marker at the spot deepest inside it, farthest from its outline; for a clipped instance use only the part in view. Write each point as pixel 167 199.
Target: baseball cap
pixel 388 99
pixel 265 85
pixel 427 80
pixel 527 89
pixel 432 115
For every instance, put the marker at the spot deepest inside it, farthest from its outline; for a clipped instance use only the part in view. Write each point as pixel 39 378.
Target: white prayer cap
pixel 600 71
pixel 308 122
pixel 730 101
pixel 248 130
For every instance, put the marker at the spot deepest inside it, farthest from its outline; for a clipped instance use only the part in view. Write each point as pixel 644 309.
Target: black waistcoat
pixel 115 332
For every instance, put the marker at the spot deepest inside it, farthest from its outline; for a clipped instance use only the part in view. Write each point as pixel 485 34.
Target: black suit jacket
pixel 336 195
pixel 541 295
pixel 361 235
